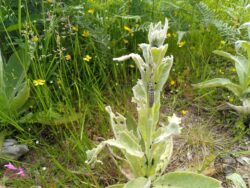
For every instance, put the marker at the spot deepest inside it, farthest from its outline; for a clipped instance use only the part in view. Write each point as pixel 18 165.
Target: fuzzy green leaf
pixel 127 142
pixel 22 96
pixel 116 186
pixel 245 109
pixel 117 121
pixel 161 154
pixel 162 73
pixel 140 182
pixel 159 53
pixel 220 82
pixel 140 94
pixel 131 123
pixel 237 180
pixel 15 70
pixel 185 180
pixel 240 64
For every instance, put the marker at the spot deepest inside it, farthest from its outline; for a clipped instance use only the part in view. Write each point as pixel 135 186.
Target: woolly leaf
pixel 185 180
pixel 138 182
pixel 220 82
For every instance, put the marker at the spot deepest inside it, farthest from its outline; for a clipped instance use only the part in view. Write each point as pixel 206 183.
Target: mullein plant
pixel 242 66
pixel 145 147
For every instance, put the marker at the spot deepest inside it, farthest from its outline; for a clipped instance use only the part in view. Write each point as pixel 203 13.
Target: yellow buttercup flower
pixel 131 66
pixel 230 99
pixel 172 83
pixel 87 58
pixel 125 41
pixel 233 69
pixel 184 112
pixel 59 82
pixel 68 57
pixel 221 71
pixel 181 44
pixel 39 82
pixel 91 11
pixel 49 1
pixel 223 42
pixel 35 39
pixel 74 28
pixel 169 35
pixel 85 34
pixel 126 28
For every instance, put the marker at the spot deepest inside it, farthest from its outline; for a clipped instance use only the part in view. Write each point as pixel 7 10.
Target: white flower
pixel 157 33
pixel 173 125
pixel 174 120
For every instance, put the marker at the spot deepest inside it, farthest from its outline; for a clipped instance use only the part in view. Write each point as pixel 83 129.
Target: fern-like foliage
pixel 225 30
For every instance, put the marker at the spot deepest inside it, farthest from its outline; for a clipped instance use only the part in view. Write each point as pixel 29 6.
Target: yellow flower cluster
pixel 74 28
pixel 68 57
pixel 233 69
pixel 35 39
pixel 181 44
pixel 125 41
pixel 87 58
pixel 221 71
pixel 172 83
pixel 222 42
pixel 128 29
pixel 131 66
pixel 91 11
pixel 184 112
pixel 85 33
pixel 39 82
pixel 230 99
pixel 171 35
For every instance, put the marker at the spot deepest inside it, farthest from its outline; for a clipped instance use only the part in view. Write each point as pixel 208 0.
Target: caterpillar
pixel 150 93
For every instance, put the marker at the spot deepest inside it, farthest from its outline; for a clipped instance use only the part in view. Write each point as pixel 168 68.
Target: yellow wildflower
pixel 85 33
pixel 221 71
pixel 184 112
pixel 233 69
pixel 87 58
pixel 125 41
pixel 222 42
pixel 59 82
pixel 230 99
pixel 131 66
pixel 172 83
pixel 181 44
pixel 35 39
pixel 126 28
pixel 49 1
pixel 169 35
pixel 74 28
pixel 91 11
pixel 68 57
pixel 38 82
pixel 174 35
